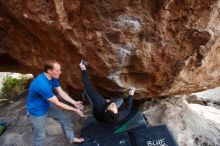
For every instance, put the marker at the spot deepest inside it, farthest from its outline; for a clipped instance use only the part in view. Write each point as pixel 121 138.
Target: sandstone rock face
pixel 160 47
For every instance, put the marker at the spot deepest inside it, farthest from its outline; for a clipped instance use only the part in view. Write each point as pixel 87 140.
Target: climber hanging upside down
pixel 105 110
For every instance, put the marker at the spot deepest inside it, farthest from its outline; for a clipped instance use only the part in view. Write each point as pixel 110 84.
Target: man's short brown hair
pixel 48 64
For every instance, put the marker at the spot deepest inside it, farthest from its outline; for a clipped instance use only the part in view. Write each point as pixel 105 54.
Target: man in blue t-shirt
pixel 43 103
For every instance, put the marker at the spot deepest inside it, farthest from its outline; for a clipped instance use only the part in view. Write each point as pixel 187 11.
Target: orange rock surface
pixel 160 47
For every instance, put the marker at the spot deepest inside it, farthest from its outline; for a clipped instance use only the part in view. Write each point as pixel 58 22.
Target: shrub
pixel 12 85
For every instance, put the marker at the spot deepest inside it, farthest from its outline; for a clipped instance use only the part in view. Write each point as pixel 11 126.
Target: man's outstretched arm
pixel 66 97
pixel 64 106
pixel 125 111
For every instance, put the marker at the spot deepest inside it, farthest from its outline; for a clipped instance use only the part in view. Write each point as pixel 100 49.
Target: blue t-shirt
pixel 40 90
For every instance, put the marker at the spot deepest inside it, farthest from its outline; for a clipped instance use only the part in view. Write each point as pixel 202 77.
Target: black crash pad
pixel 121 139
pixel 132 131
pixel 152 136
pixel 95 130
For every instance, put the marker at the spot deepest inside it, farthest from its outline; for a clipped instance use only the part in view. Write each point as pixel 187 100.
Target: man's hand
pixel 55 101
pixel 131 91
pixel 82 65
pixel 79 105
pixel 78 112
